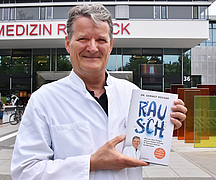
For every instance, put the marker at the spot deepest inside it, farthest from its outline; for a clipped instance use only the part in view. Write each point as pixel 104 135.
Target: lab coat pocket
pixel 74 139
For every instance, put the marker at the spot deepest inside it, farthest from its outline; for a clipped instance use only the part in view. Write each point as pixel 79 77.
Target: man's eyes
pixel 101 40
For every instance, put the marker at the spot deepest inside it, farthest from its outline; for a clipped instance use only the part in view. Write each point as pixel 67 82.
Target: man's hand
pixel 178 114
pixel 107 157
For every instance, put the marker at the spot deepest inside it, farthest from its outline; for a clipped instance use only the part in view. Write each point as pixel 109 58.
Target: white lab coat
pixel 133 173
pixel 63 125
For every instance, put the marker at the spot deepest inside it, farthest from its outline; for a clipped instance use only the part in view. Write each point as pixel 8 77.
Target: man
pixel 2 108
pixel 73 128
pixel 133 151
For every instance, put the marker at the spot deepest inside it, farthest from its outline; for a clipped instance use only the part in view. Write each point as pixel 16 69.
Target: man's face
pixel 136 143
pixel 89 47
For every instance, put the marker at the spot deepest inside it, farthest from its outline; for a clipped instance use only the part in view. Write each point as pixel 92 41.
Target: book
pixel 149 119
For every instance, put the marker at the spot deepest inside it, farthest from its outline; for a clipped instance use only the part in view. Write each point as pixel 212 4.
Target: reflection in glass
pixel 172 67
pixel 63 60
pixel 6 13
pixel 41 59
pixel 23 13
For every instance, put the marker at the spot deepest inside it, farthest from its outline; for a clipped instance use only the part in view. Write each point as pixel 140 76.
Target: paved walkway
pixel 186 162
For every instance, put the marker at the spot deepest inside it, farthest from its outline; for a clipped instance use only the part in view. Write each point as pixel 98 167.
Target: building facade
pixel 152 39
pixel 203 57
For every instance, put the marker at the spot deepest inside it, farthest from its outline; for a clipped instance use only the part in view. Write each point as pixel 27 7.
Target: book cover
pixel 149 119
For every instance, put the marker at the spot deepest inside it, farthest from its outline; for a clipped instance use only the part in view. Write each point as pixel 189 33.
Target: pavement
pixel 186 162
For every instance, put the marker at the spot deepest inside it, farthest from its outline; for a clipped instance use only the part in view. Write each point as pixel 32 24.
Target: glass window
pixel 115 60
pixel 131 59
pixel 172 66
pixel 203 12
pixel 42 13
pixel 111 10
pixel 152 51
pixel 41 60
pixel 157 12
pixel 4 64
pixel 21 65
pixel 180 12
pixel 65 0
pixel 0 14
pixel 186 62
pixel 141 12
pixel 61 12
pixel 163 12
pixel 49 12
pixel 6 13
pixel 195 12
pixel 122 11
pixel 12 13
pixel 214 35
pixel 63 60
pixel 27 13
pixel 29 1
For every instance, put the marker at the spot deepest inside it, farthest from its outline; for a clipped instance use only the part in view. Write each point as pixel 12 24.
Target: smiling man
pixel 74 128
pixel 133 151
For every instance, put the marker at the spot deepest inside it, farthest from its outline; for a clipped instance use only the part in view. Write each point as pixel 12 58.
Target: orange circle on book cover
pixel 159 153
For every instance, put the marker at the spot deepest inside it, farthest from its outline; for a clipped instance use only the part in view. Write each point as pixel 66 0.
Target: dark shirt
pixel 1 105
pixel 102 100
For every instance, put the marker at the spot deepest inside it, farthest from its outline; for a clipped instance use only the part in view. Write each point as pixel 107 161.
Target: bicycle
pixel 16 117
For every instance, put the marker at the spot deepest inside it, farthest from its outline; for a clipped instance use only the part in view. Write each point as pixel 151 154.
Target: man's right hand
pixel 107 157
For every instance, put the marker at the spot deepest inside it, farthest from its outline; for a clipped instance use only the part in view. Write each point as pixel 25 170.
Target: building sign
pixel 54 29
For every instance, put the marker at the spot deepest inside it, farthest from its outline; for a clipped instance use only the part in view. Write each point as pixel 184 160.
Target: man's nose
pixel 92 46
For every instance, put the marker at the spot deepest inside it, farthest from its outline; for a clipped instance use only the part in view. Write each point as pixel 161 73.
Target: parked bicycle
pixel 16 117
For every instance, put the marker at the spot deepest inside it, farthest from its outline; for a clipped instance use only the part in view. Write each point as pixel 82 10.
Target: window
pixel 195 12
pixel 111 9
pixel 172 66
pixel 157 12
pixel 45 13
pixel 0 14
pixel 27 13
pixel 61 12
pixel 180 12
pixel 63 60
pixel 141 12
pixel 203 12
pixel 6 13
pixel 163 12
pixel 122 11
pixel 12 13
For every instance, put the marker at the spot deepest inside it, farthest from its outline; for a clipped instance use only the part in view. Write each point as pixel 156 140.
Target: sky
pixel 212 9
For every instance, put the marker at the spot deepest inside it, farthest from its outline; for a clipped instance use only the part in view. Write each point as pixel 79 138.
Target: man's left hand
pixel 178 114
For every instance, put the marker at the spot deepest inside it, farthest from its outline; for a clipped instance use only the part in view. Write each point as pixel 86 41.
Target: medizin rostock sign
pixel 53 29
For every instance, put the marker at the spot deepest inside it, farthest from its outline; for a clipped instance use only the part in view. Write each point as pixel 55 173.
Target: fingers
pixel 178 114
pixel 133 162
pixel 117 139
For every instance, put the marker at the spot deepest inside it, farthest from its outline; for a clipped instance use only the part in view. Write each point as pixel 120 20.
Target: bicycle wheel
pixel 14 119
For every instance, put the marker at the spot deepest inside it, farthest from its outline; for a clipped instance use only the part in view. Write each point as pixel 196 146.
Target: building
pixel 203 58
pixel 152 39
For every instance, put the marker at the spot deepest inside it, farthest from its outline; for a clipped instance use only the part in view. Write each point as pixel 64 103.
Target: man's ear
pixel 67 44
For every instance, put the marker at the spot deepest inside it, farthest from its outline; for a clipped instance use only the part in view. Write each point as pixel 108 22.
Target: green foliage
pixel 4 100
pixel 63 63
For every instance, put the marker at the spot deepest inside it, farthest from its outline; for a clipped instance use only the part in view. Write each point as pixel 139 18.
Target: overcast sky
pixel 212 9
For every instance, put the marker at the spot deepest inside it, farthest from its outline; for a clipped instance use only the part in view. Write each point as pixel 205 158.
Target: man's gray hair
pixel 97 12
